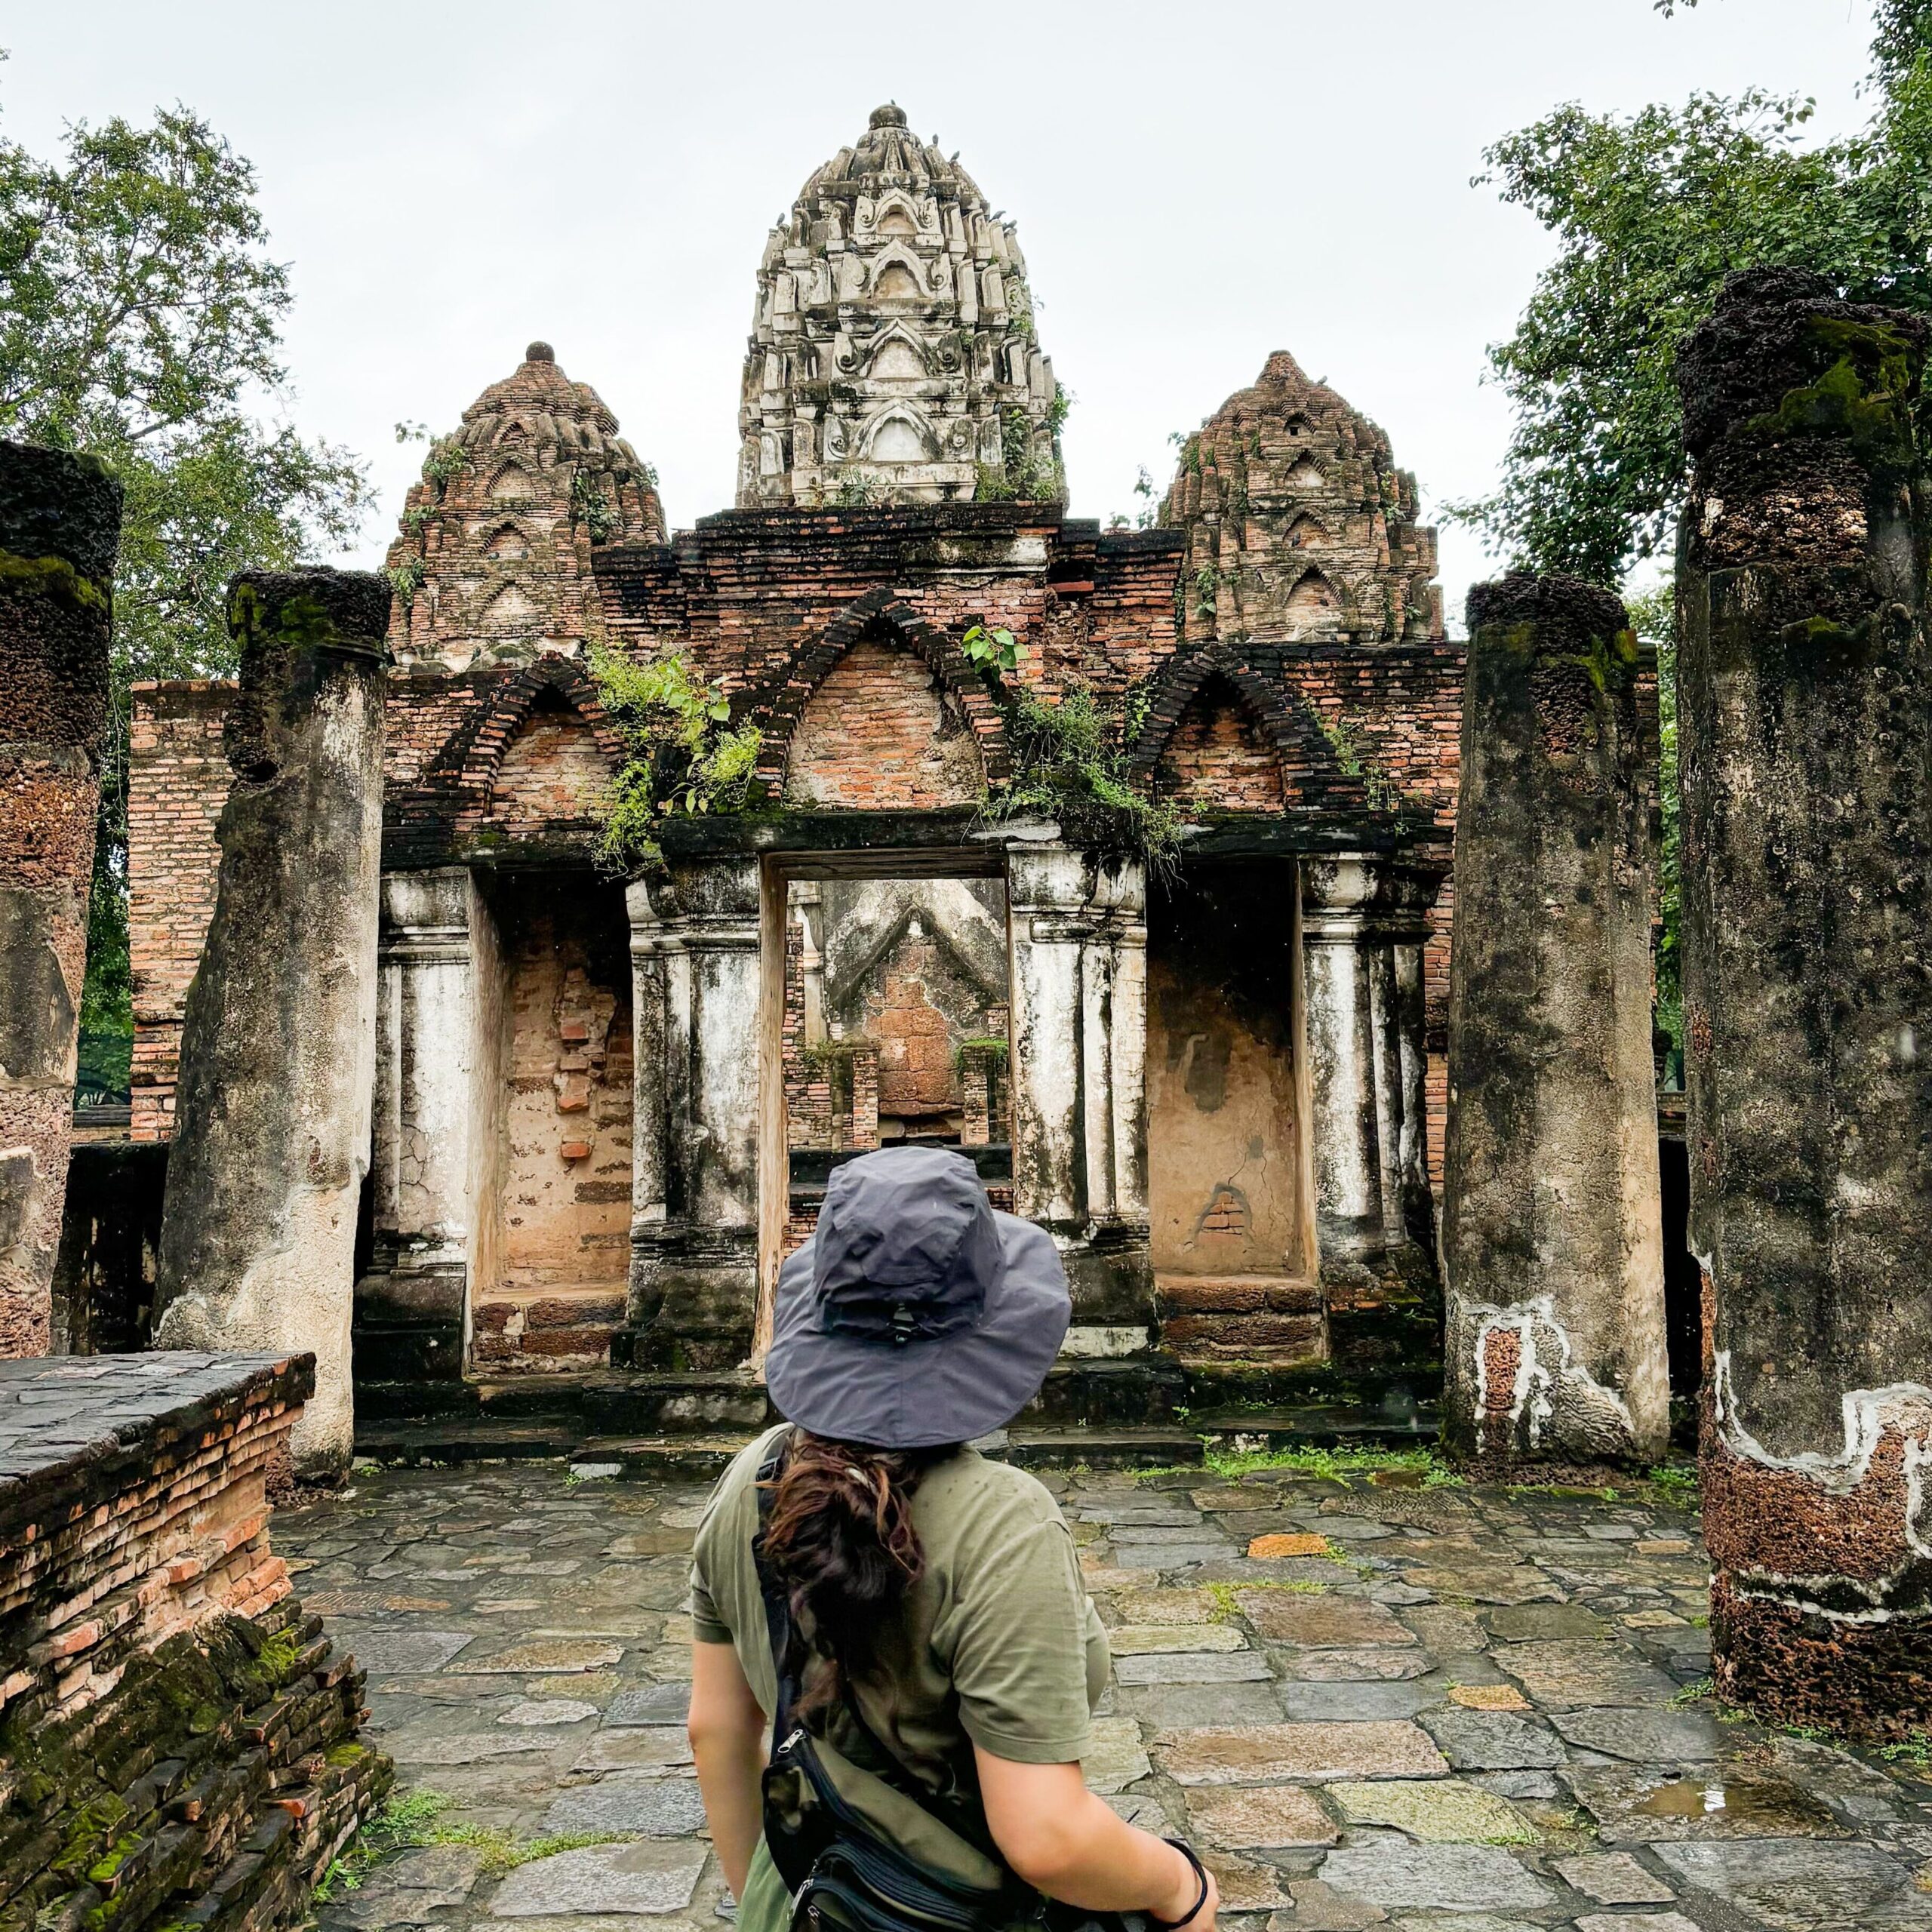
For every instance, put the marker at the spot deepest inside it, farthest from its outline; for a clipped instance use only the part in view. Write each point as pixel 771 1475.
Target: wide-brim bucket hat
pixel 917 1314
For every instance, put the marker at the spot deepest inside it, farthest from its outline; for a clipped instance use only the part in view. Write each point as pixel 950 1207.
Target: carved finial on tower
pixel 890 115
pixel 540 351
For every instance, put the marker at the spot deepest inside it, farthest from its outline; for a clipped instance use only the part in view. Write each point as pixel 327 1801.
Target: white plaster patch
pixel 1099 1343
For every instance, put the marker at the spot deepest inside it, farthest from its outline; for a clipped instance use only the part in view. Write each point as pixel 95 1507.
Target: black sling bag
pixel 845 1873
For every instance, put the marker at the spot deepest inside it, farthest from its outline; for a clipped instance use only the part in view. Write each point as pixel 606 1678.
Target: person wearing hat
pixel 937 1594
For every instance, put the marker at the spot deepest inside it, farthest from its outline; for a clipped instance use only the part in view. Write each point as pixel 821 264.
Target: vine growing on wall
pixel 1070 765
pixel 685 756
pixel 1345 741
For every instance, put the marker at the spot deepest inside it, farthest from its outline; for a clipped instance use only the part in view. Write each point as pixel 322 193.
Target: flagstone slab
pixel 1179 1666
pixel 646 1806
pixel 1320 1908
pixel 428 1743
pixel 399 1652
pixel 405 1889
pixel 1519 1584
pixel 1313 1752
pixel 1797 1885
pixel 1439 1877
pixel 650 1703
pixel 1636 1921
pixel 1320 1622
pixel 1329 1702
pixel 1719 1802
pixel 1656 1738
pixel 1564 1675
pixel 1572 1622
pixel 1116 1757
pixel 1447 1628
pixel 1243 1884
pixel 1492 1741
pixel 547 1710
pixel 649 1879
pixel 1365 1664
pixel 1191 1706
pixel 1439 1811
pixel 1271 1817
pixel 1282 1543
pixel 1488 1697
pixel 647 1748
pixel 1614 1877
pixel 1144 1639
pixel 551 1654
pixel 1157 1606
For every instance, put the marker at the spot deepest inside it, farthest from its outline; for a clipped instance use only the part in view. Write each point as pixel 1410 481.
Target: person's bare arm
pixel 1065 1841
pixel 727 1741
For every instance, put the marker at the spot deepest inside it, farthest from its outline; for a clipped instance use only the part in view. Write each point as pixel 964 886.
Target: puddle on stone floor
pixel 1398 1478
pixel 1767 1806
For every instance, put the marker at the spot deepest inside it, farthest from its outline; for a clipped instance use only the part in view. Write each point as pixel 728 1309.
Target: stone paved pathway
pixel 1456 1709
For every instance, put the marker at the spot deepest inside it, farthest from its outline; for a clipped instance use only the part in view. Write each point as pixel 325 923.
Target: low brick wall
pixel 177 1742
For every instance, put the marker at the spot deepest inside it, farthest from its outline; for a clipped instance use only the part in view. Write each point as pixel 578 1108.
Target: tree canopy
pixel 140 318
pixel 1651 212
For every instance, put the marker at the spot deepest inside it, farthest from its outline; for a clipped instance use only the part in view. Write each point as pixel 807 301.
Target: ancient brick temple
pixel 604 1110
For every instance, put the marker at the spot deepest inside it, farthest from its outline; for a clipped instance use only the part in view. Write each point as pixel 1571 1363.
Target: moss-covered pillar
pixel 60 526
pixel 1805 698
pixel 694 1186
pixel 278 1036
pixel 1552 1227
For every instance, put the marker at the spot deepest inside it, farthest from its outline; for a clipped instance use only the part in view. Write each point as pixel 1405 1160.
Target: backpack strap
pixel 962 1820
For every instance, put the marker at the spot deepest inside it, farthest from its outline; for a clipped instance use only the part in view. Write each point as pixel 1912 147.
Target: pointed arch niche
pixel 1218 757
pixel 881 733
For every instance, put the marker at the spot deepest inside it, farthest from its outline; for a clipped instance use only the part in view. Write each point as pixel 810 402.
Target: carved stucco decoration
pixel 893 339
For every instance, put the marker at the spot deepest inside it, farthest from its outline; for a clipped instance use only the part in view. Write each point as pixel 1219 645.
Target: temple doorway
pixel 1229 1194
pixel 888 1024
pixel 552 1079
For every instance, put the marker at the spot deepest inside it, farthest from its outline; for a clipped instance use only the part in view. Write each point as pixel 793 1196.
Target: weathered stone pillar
pixel 1341 939
pixel 1552 1227
pixel 278 1042
pixel 60 526
pixel 1806 701
pixel 409 1306
pixel 1079 992
pixel 694 1198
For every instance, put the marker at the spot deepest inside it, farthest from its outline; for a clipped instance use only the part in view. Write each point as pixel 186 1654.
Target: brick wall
pixel 553 773
pixel 179 1742
pixel 178 779
pixel 1216 759
pixel 876 736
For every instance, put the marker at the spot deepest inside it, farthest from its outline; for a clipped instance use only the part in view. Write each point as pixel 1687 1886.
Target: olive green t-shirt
pixel 997 1643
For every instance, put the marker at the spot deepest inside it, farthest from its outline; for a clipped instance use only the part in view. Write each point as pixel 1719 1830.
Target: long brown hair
pixel 840 1537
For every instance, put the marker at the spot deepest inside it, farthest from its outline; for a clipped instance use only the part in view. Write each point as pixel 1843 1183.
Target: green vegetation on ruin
pixel 1070 764
pixel 413 1819
pixel 684 754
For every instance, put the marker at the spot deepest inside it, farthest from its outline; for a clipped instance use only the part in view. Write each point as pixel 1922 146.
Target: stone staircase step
pixel 659 1458
pixel 463 1438
pixel 1322 1426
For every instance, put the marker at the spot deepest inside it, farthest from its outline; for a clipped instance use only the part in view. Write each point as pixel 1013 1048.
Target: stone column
pixel 1079 994
pixel 60 526
pixel 1552 1224
pixel 1805 696
pixel 1341 939
pixel 278 1042
pixel 694 966
pixel 409 1306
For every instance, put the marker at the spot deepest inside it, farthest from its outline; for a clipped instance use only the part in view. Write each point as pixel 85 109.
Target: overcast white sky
pixel 1195 185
